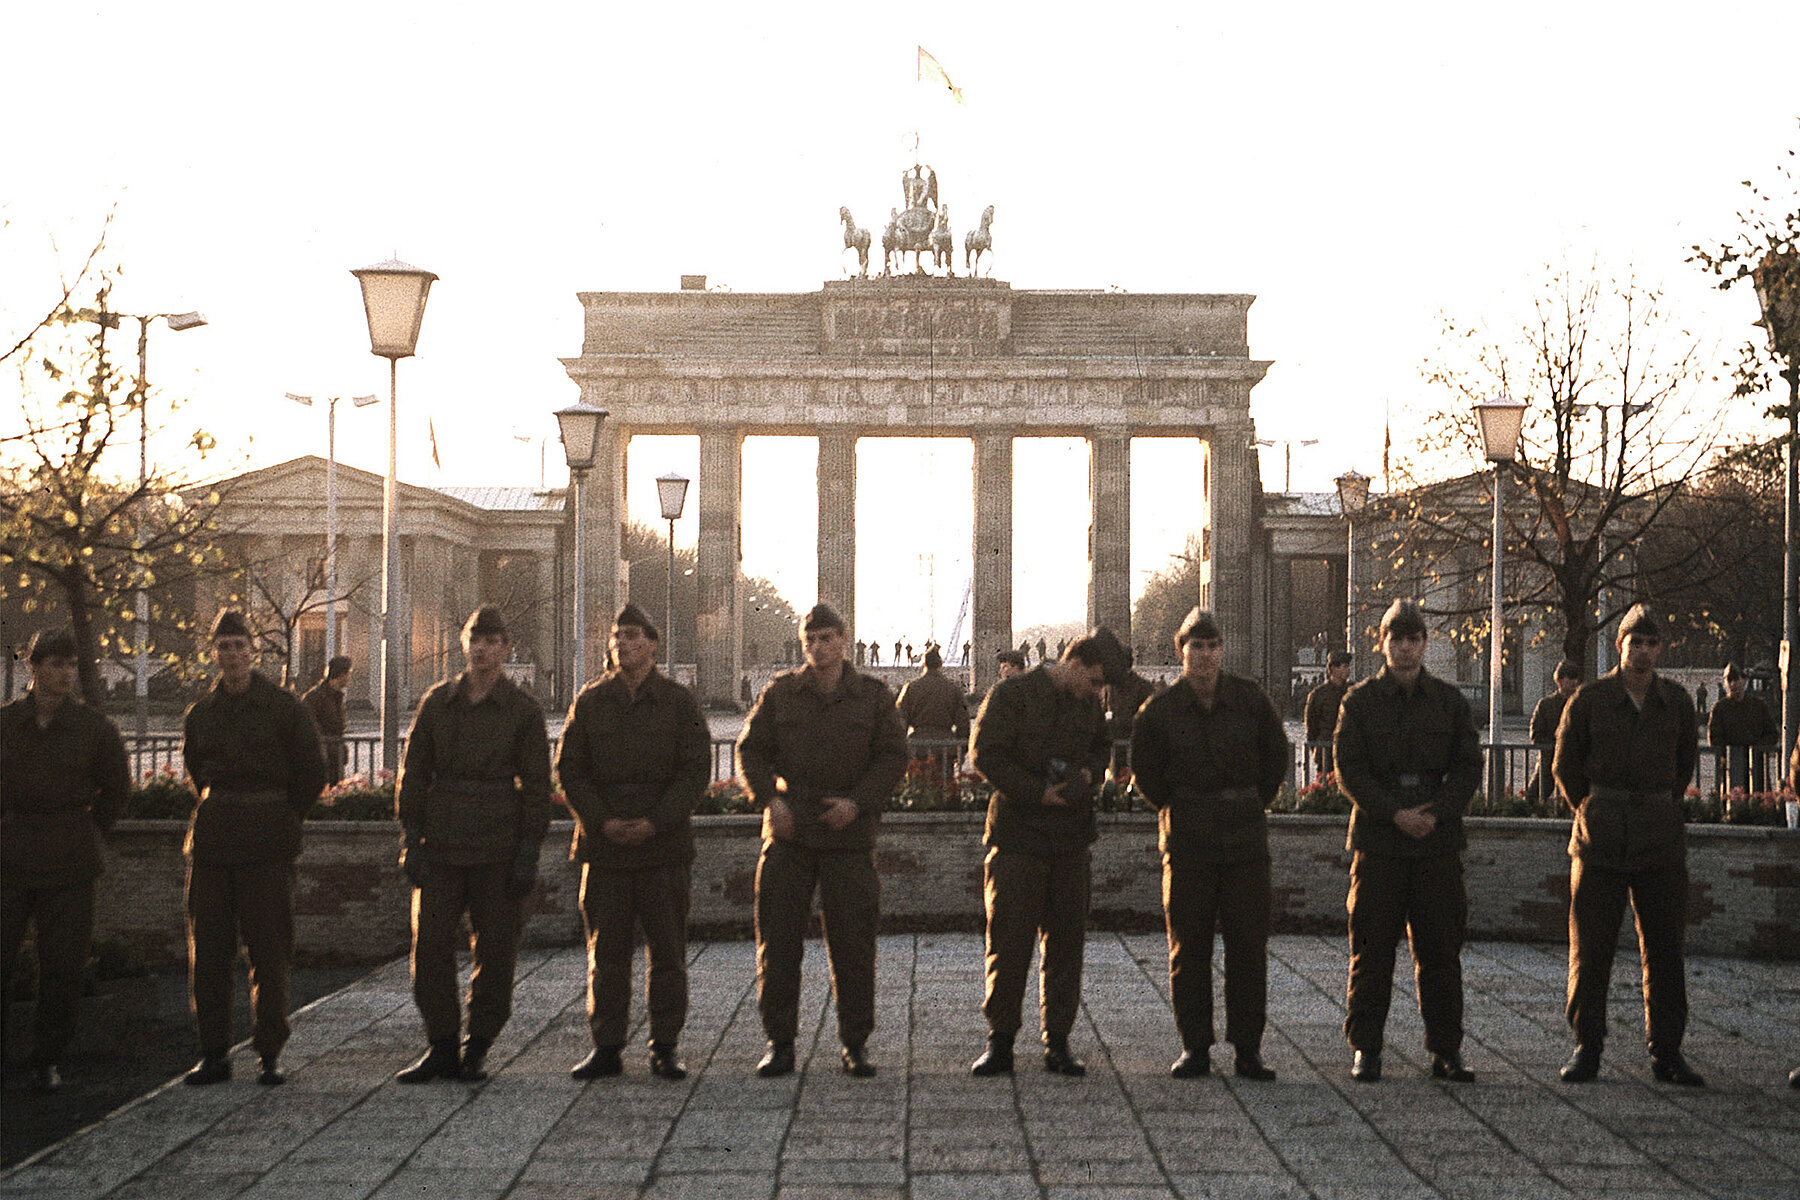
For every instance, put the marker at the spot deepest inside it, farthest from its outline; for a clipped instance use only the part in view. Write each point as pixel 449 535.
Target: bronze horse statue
pixel 856 239
pixel 979 241
pixel 943 242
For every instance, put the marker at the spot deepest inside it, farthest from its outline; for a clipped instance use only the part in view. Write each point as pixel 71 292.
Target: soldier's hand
pixel 840 812
pixel 1416 822
pixel 622 832
pixel 781 821
pixel 1053 796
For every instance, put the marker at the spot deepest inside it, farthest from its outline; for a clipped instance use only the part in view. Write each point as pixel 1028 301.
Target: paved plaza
pixel 341 1128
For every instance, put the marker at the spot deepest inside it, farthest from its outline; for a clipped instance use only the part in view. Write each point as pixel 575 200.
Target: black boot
pixel 664 1063
pixel 997 1059
pixel 603 1062
pixel 1191 1065
pixel 474 1058
pixel 1672 1068
pixel 856 1061
pixel 213 1067
pixel 1450 1066
pixel 778 1061
pixel 1366 1066
pixel 270 1075
pixel 439 1062
pixel 1583 1065
pixel 1250 1065
pixel 1059 1060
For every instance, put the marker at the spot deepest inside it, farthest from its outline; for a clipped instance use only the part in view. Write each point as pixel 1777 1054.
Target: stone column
pixel 1232 505
pixel 991 628
pixel 837 525
pixel 1109 531
pixel 720 621
pixel 603 515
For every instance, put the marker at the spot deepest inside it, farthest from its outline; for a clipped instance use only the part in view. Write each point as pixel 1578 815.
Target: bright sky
pixel 1359 169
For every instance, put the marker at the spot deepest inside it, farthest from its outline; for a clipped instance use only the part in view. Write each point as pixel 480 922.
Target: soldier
pixel 1407 757
pixel 934 709
pixel 1010 663
pixel 1322 705
pixel 1124 695
pixel 63 780
pixel 634 761
pixel 1737 725
pixel 1625 751
pixel 325 701
pixel 253 756
pixel 1040 740
pixel 820 753
pixel 1544 719
pixel 1210 753
pixel 473 804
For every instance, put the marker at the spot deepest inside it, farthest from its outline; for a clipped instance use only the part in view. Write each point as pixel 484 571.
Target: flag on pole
pixel 931 71
pixel 431 428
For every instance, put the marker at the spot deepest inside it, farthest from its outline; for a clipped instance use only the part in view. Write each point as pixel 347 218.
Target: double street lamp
pixel 671 494
pixel 331 522
pixel 1353 497
pixel 1501 422
pixel 394 301
pixel 580 426
pixel 1777 280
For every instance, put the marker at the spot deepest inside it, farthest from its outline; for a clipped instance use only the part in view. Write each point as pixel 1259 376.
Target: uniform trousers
pixel 1233 898
pixel 254 901
pixel 1425 899
pixel 1596 907
pixel 613 905
pixel 494 919
pixel 849 892
pixel 64 917
pixel 1033 897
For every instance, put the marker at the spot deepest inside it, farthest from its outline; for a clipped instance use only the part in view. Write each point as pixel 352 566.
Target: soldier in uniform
pixel 1209 754
pixel 325 701
pixel 820 753
pixel 253 756
pixel 1407 756
pixel 1544 719
pixel 1738 724
pixel 1322 705
pixel 473 804
pixel 63 780
pixel 1625 752
pixel 1040 740
pixel 934 709
pixel 1124 695
pixel 635 760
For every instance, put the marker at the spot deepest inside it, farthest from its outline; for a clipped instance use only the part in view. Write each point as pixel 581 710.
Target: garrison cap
pixel 1403 619
pixel 1198 624
pixel 822 616
pixel 1011 658
pixel 1638 620
pixel 933 659
pixel 631 614
pixel 1339 658
pixel 50 643
pixel 486 620
pixel 1115 659
pixel 1569 669
pixel 229 623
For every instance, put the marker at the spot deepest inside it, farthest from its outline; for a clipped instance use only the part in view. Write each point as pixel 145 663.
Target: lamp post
pixel 1777 280
pixel 331 523
pixel 671 493
pixel 1353 495
pixel 1501 422
pixel 394 296
pixel 580 425
pixel 141 393
pixel 1287 445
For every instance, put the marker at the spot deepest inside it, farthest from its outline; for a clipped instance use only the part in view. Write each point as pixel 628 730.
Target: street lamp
pixel 1353 496
pixel 1777 280
pixel 580 425
pixel 1501 421
pixel 394 301
pixel 331 575
pixel 1287 445
pixel 671 493
pixel 179 322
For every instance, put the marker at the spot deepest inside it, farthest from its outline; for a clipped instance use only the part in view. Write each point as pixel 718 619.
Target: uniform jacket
pixel 625 756
pixel 1545 717
pixel 933 706
pixel 259 742
pixel 1322 704
pixel 1742 722
pixel 801 744
pixel 1184 756
pixel 1395 750
pixel 1025 722
pixel 475 779
pixel 1605 741
pixel 61 786
pixel 326 704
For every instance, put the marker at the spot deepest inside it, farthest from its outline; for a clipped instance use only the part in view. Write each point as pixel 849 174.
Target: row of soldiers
pixel 820 752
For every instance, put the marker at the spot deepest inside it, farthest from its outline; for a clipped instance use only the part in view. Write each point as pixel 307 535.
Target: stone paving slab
pixel 924 1129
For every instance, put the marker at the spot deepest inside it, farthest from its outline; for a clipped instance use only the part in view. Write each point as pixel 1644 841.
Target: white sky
pixel 1358 168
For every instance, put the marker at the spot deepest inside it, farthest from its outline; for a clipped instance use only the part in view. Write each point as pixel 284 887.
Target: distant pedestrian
pixel 325 701
pixel 1322 704
pixel 936 715
pixel 64 779
pixel 1738 727
pixel 862 652
pixel 1544 719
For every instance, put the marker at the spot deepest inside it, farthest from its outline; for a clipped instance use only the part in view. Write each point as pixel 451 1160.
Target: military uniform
pixel 1322 704
pixel 1396 749
pixel 626 756
pixel 254 758
pixel 475 789
pixel 326 704
pixel 1036 875
pixel 62 784
pixel 1735 727
pixel 934 709
pixel 1625 771
pixel 801 744
pixel 1211 773
pixel 1545 717
pixel 1122 701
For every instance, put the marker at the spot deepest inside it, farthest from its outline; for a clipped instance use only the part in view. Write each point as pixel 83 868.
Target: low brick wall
pixel 352 903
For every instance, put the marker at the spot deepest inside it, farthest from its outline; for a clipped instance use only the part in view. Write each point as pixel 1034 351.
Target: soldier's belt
pixel 225 795
pixel 473 787
pixel 1227 795
pixel 1413 782
pixel 1614 795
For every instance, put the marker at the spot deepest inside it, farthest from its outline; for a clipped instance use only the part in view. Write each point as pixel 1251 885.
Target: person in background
pixel 1322 705
pixel 325 701
pixel 1738 725
pixel 1544 719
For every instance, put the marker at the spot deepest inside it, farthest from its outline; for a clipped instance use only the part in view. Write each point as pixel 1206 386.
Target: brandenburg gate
pixel 923 356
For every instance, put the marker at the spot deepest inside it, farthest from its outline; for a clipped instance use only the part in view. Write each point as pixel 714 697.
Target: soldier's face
pixel 1639 652
pixel 824 648
pixel 1338 673
pixel 1404 652
pixel 53 678
pixel 485 651
pixel 1567 686
pixel 632 649
pixel 1736 688
pixel 1007 670
pixel 1200 659
pixel 232 653
pixel 1082 681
